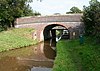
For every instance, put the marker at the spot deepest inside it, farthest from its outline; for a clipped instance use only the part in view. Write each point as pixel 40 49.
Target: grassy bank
pixel 71 56
pixel 16 38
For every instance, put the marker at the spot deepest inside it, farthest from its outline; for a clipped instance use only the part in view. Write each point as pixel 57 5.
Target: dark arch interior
pixel 49 30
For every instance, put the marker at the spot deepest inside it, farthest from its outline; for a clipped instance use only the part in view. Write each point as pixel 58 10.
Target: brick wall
pixel 43 19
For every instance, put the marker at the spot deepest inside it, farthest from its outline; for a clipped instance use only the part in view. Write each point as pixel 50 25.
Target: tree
pixel 27 11
pixel 91 19
pixel 74 10
pixel 12 9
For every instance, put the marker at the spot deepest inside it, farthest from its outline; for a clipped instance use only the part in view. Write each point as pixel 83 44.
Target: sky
pixel 49 7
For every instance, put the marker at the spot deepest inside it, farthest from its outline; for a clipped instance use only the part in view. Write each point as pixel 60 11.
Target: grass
pixel 16 38
pixel 71 56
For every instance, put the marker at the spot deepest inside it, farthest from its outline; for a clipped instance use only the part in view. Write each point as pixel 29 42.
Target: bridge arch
pixel 48 30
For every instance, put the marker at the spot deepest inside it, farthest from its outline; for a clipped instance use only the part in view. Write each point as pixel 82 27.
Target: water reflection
pixel 25 59
pixel 11 64
pixel 49 49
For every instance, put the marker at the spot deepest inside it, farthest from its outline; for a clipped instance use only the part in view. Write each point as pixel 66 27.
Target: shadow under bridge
pixel 55 32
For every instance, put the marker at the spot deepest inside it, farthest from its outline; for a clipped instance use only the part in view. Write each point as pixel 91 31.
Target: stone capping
pixel 80 14
pixel 51 18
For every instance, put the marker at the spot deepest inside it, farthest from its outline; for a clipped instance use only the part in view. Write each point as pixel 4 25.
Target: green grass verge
pixel 71 56
pixel 16 38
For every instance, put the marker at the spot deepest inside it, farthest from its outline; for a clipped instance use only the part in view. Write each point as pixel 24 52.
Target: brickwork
pixel 71 22
pixel 44 19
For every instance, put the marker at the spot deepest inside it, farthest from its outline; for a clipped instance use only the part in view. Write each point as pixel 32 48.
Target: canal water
pixel 39 57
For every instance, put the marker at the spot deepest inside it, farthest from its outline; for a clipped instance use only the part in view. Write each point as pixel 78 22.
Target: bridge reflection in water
pixel 34 58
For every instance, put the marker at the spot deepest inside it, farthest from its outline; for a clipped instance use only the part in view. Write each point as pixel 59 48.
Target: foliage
pixel 16 38
pixel 74 10
pixel 71 56
pixel 12 9
pixel 91 19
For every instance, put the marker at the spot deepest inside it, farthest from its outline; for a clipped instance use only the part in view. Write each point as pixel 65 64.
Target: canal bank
pixel 16 38
pixel 73 56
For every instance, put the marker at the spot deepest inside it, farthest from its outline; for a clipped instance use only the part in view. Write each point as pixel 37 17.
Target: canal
pixel 39 57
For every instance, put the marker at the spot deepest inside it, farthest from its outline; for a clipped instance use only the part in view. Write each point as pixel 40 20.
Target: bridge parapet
pixel 53 18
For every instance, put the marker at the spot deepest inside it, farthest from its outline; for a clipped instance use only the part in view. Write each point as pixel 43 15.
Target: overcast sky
pixel 49 7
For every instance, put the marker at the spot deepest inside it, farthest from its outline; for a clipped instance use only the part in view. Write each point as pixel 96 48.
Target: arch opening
pixel 56 32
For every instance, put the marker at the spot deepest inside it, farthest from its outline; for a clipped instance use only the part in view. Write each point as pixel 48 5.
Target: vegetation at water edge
pixel 16 38
pixel 71 56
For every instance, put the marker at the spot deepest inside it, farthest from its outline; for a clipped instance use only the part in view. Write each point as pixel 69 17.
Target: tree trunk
pixel 13 24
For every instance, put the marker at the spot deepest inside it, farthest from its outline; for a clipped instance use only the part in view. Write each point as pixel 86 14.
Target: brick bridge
pixel 44 24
